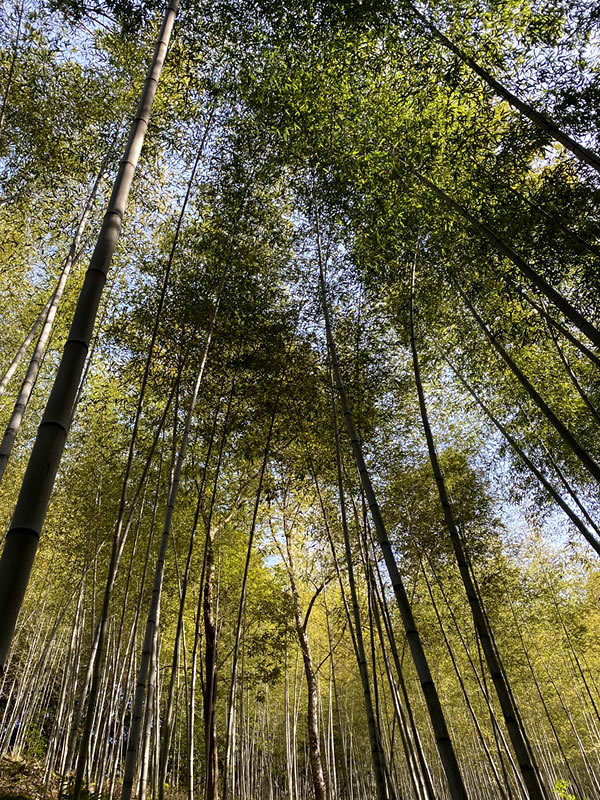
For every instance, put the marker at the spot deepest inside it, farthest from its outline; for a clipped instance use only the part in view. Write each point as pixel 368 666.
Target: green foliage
pixel 310 111
pixel 561 787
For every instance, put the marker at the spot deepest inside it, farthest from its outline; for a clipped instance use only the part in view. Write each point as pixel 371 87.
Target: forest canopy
pixel 299 395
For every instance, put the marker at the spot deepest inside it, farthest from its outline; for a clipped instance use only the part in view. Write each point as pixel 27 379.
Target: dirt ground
pixel 21 780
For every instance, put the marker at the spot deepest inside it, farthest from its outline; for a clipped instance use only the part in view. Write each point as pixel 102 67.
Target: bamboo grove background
pixel 326 522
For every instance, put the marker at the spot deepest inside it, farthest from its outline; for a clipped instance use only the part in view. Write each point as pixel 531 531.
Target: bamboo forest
pixel 299 400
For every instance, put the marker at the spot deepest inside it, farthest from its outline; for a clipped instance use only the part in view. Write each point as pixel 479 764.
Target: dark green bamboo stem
pixel 540 120
pixel 525 758
pixel 28 518
pixel 442 737
pixel 562 430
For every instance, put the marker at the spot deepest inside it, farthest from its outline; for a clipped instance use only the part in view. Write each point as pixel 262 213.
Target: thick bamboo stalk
pixel 22 401
pixel 25 529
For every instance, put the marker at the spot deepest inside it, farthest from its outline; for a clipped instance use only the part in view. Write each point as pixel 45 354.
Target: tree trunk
pixel 314 739
pixel 518 737
pixel 25 529
pixel 440 728
pixel 14 424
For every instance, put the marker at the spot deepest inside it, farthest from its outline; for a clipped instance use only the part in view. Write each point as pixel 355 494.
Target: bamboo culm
pixel 20 407
pixel 517 735
pixel 28 518
pixel 540 120
pixel 442 737
pixel 154 610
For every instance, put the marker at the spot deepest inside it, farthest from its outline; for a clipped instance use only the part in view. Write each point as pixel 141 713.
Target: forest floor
pixel 23 780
